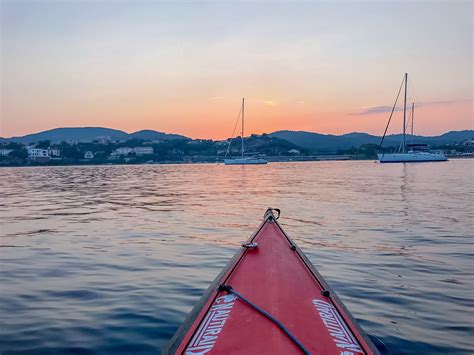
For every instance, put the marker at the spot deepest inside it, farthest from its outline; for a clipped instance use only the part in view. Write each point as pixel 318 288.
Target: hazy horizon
pixel 330 68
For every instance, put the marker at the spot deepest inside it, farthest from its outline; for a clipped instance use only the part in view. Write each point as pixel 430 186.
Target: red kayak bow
pixel 270 299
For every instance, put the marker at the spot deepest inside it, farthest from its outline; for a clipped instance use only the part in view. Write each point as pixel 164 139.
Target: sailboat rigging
pixel 408 152
pixel 243 160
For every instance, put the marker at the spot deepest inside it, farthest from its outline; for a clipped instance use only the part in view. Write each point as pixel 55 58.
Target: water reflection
pixel 112 258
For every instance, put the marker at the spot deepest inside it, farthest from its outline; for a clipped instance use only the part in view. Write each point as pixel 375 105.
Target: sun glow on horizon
pixel 183 68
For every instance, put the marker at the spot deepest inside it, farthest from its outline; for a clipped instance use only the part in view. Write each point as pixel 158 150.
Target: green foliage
pixel 20 153
pixel 12 145
pixel 179 150
pixel 43 144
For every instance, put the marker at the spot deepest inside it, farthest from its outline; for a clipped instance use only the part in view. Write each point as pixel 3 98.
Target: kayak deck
pixel 277 277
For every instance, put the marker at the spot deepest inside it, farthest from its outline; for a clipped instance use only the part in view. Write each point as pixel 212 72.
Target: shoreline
pixel 270 160
pixel 274 159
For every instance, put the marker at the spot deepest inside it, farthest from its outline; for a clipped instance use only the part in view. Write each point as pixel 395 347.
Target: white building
pixel 54 152
pixel 43 153
pixel 124 150
pixel 37 152
pixel 88 155
pixel 136 150
pixel 4 152
pixel 143 150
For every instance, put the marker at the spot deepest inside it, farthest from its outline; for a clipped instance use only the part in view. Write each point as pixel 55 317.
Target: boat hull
pixel 245 161
pixel 277 277
pixel 411 157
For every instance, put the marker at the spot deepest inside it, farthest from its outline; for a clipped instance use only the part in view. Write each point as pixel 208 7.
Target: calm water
pixel 110 259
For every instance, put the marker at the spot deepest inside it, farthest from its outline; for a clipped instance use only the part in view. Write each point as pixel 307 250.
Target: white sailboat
pixel 408 153
pixel 243 160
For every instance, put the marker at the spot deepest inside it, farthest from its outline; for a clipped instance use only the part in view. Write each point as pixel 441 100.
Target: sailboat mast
pixel 404 113
pixel 412 118
pixel 242 133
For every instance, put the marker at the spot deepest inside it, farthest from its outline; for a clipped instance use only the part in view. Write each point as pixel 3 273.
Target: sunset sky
pixel 183 67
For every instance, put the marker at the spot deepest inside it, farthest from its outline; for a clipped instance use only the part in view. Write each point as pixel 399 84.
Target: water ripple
pixel 110 259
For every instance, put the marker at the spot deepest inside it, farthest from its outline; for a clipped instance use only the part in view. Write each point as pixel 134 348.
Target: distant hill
pixel 356 139
pixel 89 133
pixel 328 143
pixel 155 135
pixel 316 142
pixel 446 138
pixel 69 134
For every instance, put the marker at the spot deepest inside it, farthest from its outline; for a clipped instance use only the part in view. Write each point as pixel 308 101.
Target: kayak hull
pixel 277 277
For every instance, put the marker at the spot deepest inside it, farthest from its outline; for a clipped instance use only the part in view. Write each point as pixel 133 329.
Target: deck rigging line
pixel 391 113
pixel 233 132
pixel 229 289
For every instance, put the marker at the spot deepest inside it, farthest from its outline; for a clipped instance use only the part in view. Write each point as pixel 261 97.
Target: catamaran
pixel 408 153
pixel 243 160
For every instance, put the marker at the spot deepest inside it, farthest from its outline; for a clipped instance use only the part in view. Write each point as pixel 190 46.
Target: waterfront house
pixel 124 150
pixel 128 150
pixel 88 155
pixel 40 153
pixel 35 153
